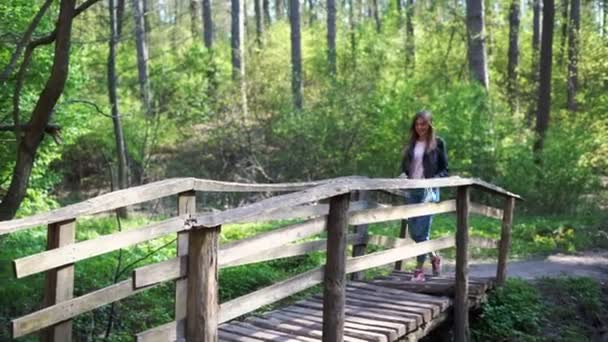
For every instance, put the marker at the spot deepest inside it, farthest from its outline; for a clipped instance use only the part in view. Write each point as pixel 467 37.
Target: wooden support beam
pixel 334 292
pixel 59 285
pixel 403 233
pixel 203 291
pixel 461 286
pixel 505 240
pixel 361 230
pixel 186 205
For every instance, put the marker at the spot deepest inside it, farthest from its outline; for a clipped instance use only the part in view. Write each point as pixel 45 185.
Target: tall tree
pixel 238 50
pixel 512 85
pixel 410 45
pixel 279 9
pixel 312 12
pixel 116 12
pixel 259 21
pixel 476 51
pixel 142 57
pixel 573 47
pixel 544 89
pixel 39 120
pixel 564 35
pixel 266 5
pixel 296 53
pixel 207 24
pixel 537 8
pixel 353 32
pixel 331 37
pixel 195 18
pixel 377 18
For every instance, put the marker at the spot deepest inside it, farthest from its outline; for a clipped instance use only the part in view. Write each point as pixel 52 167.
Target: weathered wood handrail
pixel 197 310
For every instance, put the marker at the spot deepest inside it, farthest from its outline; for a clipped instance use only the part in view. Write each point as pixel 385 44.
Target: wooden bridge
pixel 384 309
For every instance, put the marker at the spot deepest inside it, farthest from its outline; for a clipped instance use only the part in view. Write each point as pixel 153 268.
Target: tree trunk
pixel 544 89
pixel 536 31
pixel 142 57
pixel 353 33
pixel 410 45
pixel 296 54
pixel 604 20
pixel 331 37
pixel 477 57
pixel 121 149
pixel 279 9
pixel 195 23
pixel 512 84
pixel 207 24
pixel 266 6
pixel 259 23
pixel 26 151
pixel 573 43
pixel 376 11
pixel 562 44
pixel 313 14
pixel 238 51
pixel 147 14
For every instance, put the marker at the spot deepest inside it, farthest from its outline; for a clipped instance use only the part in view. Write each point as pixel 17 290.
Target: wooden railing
pixel 194 269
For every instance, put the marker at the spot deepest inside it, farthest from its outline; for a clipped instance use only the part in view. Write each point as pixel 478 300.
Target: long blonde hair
pixel 431 141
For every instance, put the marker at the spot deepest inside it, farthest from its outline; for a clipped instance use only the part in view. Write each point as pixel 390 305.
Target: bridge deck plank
pixel 386 309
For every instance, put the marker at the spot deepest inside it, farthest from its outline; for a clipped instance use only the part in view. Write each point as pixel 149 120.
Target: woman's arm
pixel 442 159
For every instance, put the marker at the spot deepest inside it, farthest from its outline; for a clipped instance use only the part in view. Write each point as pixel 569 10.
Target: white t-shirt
pixel 416 167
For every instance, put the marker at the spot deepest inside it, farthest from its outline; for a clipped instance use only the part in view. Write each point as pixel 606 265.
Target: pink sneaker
pixel 418 275
pixel 436 263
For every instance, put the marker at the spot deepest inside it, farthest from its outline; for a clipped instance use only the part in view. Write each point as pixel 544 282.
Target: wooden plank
pixel 296 325
pixel 340 186
pixel 247 329
pixel 488 187
pixel 443 302
pixel 389 334
pixel 177 267
pixel 252 301
pixel 375 307
pixel 401 212
pixel 425 313
pixel 382 315
pixel 387 298
pixel 186 205
pixel 487 211
pixel 59 284
pixel 424 330
pixel 461 290
pixel 403 235
pixel 106 202
pixel 228 336
pixel 207 185
pixel 389 241
pixel 481 242
pixel 505 240
pixel 398 253
pixel 83 250
pixel 162 333
pixel 362 230
pixel 203 291
pixel 335 269
pixel 395 329
pixel 277 237
pixel 68 309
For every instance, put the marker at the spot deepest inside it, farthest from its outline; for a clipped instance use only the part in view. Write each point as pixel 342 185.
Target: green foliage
pixel 512 313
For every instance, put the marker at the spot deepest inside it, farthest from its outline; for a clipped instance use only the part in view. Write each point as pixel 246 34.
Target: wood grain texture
pixel 203 290
pixel 186 205
pixel 487 211
pixel 59 283
pixel 83 250
pixel 335 270
pixel 505 240
pixel 400 212
pixel 461 291
pixel 362 230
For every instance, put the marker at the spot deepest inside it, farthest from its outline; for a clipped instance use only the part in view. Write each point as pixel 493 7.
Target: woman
pixel 424 156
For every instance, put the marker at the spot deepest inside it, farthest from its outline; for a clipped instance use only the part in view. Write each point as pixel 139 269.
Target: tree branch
pixel 24 41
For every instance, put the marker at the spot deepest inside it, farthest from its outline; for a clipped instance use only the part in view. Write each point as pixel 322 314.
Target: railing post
pixel 186 204
pixel 505 240
pixel 59 284
pixel 334 297
pixel 461 288
pixel 400 265
pixel 362 230
pixel 203 297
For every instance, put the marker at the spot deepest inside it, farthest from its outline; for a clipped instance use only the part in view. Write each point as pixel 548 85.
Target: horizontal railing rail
pixel 199 256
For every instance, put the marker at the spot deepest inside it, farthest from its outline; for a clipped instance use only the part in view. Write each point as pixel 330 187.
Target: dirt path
pixel 586 264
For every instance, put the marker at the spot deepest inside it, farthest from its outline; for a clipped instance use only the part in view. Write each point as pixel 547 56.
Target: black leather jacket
pixel 434 162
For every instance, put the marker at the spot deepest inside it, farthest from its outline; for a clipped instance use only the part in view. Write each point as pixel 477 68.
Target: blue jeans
pixel 420 227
